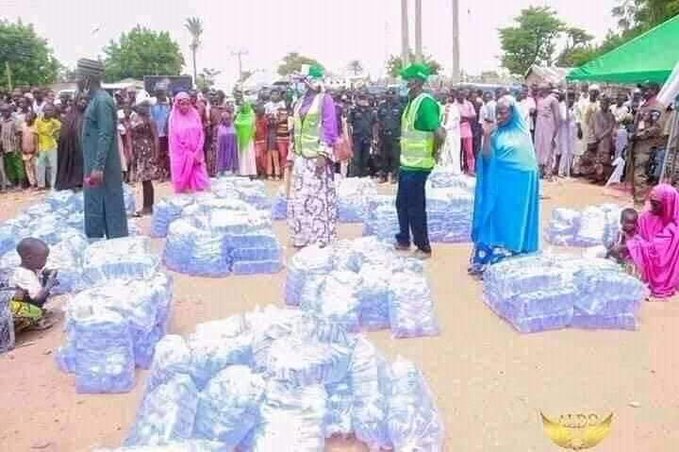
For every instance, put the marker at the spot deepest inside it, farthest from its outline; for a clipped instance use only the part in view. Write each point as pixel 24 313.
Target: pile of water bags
pixel 450 206
pixel 58 221
pixel 114 325
pixel 353 199
pixel 553 291
pixel 281 379
pixel 362 284
pixel 219 236
pixel 252 193
pixel 594 225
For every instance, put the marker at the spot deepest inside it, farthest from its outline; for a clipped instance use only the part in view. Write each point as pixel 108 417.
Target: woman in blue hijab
pixel 507 203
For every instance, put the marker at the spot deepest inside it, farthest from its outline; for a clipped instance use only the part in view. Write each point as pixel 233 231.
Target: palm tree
pixel 194 26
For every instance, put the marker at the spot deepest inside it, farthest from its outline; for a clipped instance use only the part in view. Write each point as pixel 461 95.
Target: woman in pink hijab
pixel 186 138
pixel 655 249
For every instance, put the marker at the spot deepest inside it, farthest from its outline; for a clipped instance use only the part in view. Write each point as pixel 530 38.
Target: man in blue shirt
pixel 160 113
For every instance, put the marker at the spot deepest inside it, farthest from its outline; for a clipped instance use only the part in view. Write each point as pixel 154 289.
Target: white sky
pixel 333 31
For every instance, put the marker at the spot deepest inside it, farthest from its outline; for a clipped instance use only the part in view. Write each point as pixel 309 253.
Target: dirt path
pixel 489 381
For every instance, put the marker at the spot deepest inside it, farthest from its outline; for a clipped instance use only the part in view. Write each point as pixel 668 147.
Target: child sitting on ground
pixel 33 284
pixel 628 228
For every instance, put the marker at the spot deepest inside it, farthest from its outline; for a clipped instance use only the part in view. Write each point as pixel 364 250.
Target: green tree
pixel 141 52
pixel 195 27
pixel 355 66
pixel 395 64
pixel 293 61
pixel 578 47
pixel 206 78
pixel 532 40
pixel 25 58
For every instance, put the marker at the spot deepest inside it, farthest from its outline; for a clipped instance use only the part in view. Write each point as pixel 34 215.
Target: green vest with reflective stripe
pixel 417 147
pixel 307 131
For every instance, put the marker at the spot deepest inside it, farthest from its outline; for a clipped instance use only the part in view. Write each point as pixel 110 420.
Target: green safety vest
pixel 417 147
pixel 307 131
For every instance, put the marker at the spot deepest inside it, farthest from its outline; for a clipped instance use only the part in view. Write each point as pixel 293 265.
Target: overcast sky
pixel 333 31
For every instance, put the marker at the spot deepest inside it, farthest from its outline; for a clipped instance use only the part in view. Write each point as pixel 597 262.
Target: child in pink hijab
pixel 186 138
pixel 655 249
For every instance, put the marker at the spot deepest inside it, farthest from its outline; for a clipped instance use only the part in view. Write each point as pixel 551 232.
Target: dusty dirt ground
pixel 490 382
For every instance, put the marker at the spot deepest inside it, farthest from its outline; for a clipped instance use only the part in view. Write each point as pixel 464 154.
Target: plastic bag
pixel 166 414
pixel 123 258
pixel 411 308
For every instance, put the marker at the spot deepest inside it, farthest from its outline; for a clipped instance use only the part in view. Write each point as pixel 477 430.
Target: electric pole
pixel 239 54
pixel 456 41
pixel 418 31
pixel 405 40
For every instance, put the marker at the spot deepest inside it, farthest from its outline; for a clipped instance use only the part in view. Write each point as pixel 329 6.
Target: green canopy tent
pixel 650 57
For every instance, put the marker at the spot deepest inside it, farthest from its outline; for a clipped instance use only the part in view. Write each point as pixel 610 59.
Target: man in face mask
pixel 103 184
pixel 421 137
pixel 389 127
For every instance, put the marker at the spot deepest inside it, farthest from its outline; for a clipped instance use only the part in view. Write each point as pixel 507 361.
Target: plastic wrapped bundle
pixel 608 292
pixel 279 211
pixel 255 253
pixel 292 419
pixel 612 227
pixel 335 298
pixel 102 349
pixel 413 422
pixel 66 257
pixel 443 177
pixel 373 297
pixel 194 445
pixel 370 384
pixel 195 250
pixel 6 318
pixel 172 357
pixel 353 196
pixel 563 226
pixel 10 259
pixel 624 321
pixel 449 214
pixel 523 274
pixel 63 200
pixel 302 362
pixel 128 197
pixel 124 258
pixel 166 211
pixel 591 228
pixel 39 210
pixel 8 239
pixel 307 263
pixel 382 222
pixel 228 407
pixel 339 405
pixel 166 414
pixel 211 352
pixel 411 308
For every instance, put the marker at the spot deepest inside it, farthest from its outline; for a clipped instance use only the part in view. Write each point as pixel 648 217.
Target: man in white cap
pixel 587 106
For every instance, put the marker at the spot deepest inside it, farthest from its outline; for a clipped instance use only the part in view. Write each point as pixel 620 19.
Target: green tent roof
pixel 650 57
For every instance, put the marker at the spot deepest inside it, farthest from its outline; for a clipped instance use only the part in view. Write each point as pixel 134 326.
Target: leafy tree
pixel 26 55
pixel 532 40
pixel 141 52
pixel 578 48
pixel 293 61
pixel 355 66
pixel 206 78
pixel 195 27
pixel 395 64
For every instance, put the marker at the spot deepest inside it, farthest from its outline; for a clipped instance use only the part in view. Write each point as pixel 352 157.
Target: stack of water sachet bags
pixel 353 197
pixel 113 326
pixel 362 284
pixel 284 380
pixel 546 292
pixel 218 236
pixel 594 225
pixel 449 210
pixel 252 192
pixel 58 221
pixel 279 210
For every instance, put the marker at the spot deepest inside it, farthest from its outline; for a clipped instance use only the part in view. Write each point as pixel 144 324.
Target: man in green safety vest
pixel 421 137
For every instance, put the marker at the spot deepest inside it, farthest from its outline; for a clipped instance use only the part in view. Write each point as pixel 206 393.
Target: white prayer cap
pixel 143 97
pixel 594 87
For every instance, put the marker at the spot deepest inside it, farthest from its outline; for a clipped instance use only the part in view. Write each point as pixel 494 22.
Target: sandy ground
pixel 490 382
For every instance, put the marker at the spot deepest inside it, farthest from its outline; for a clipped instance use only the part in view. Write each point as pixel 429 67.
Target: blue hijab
pixel 507 200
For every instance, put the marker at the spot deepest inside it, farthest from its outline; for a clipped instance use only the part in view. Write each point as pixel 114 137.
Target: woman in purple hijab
pixel 312 207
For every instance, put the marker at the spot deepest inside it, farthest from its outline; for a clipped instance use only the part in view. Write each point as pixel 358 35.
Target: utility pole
pixel 405 40
pixel 239 54
pixel 456 41
pixel 418 31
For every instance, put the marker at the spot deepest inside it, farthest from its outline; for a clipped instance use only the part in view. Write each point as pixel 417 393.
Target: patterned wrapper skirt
pixel 312 207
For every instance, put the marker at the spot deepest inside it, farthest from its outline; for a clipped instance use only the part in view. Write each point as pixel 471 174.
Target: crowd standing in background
pixel 603 137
